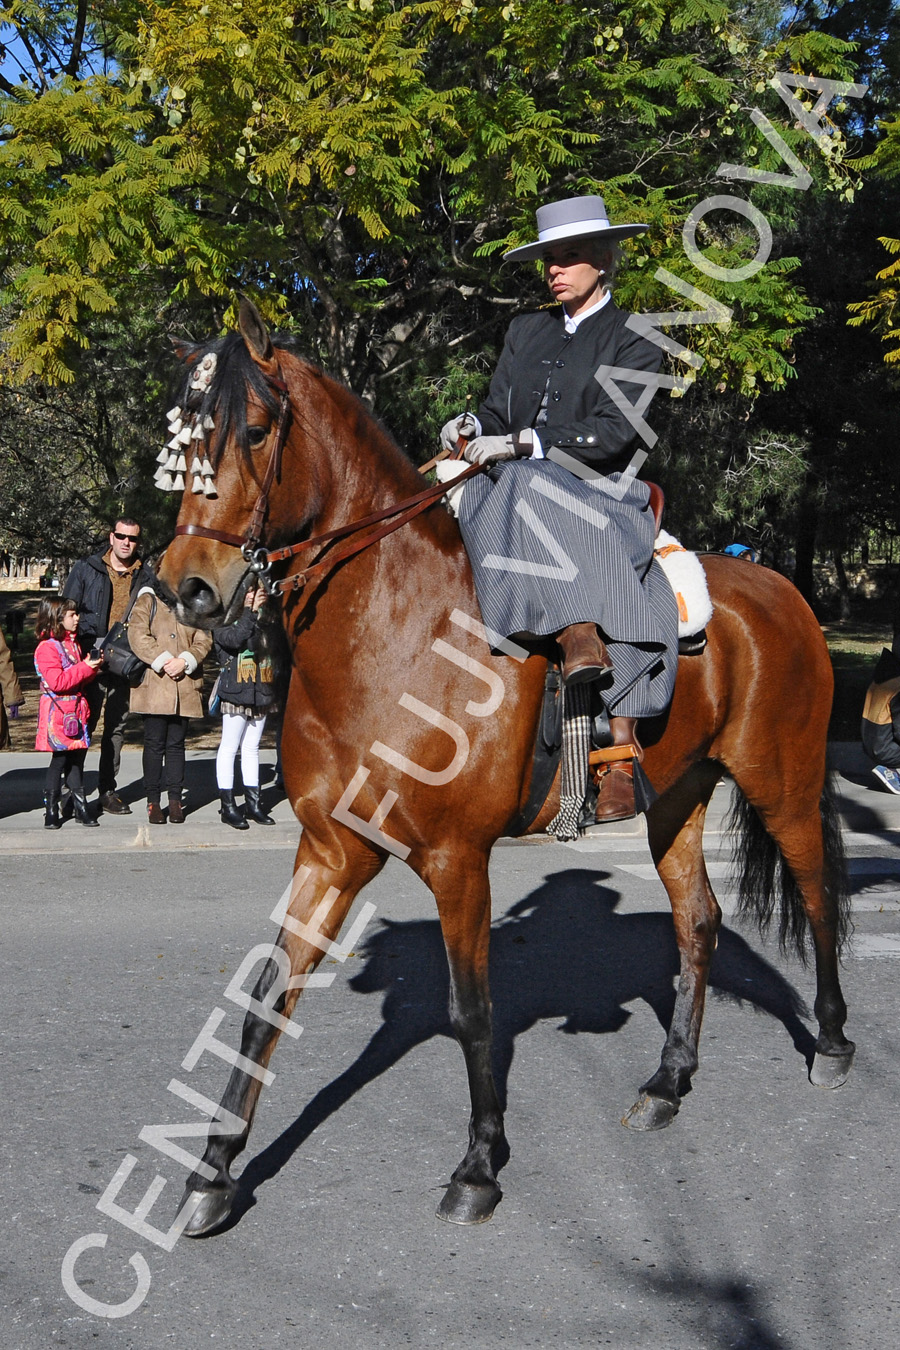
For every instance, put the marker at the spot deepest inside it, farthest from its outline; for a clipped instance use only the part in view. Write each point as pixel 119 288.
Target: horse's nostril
pixel 198 596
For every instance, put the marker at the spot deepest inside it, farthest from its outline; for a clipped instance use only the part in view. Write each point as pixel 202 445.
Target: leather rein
pixel 259 559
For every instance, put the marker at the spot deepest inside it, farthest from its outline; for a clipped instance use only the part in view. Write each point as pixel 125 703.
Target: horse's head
pixel 231 430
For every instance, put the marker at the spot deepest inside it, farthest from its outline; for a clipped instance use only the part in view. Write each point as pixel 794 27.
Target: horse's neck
pixel 364 473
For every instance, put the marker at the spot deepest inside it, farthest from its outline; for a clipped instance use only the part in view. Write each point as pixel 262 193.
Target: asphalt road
pixel 766 1216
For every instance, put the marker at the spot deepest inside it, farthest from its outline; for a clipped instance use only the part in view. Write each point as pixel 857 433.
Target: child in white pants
pixel 246 692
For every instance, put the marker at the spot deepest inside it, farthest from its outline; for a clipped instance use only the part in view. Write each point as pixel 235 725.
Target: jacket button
pixel 580 439
pixel 560 364
pixel 556 396
pixel 591 439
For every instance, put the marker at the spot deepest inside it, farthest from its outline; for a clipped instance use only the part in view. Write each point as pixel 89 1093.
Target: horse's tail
pixel 763 880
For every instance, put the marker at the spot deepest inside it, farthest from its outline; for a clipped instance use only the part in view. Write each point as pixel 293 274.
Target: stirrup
pixel 601 763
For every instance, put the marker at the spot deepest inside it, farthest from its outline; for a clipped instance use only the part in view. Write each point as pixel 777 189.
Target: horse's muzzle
pixel 199 603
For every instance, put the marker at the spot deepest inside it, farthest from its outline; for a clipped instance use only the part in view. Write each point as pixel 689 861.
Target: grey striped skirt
pixel 548 550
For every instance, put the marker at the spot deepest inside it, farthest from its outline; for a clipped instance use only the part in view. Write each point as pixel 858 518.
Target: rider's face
pixel 574 275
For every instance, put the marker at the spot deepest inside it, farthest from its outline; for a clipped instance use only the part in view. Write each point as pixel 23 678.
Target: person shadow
pixel 562 952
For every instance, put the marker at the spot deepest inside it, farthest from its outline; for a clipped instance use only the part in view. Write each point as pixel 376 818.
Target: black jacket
pixel 249 682
pixel 88 584
pixel 582 418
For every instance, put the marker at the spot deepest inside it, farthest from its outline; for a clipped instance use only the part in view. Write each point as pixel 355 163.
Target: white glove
pixel 489 449
pixel 465 425
pixel 445 472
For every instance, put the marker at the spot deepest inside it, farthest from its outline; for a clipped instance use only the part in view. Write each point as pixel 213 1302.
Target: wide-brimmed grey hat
pixel 574 218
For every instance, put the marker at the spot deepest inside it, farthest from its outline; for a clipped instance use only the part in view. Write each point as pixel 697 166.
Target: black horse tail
pixel 763 881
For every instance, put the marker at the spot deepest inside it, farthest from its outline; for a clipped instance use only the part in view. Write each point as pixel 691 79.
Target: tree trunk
pixel 843 584
pixel 805 546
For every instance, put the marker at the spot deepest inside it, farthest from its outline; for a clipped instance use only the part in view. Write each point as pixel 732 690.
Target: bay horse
pixel 408 732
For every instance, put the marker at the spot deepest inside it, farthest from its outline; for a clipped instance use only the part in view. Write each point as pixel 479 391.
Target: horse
pixel 409 730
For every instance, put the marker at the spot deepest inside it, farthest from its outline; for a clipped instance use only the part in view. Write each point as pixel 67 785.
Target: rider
pixel 561 542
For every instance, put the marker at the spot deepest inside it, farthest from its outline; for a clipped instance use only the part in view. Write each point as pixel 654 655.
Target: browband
pixel 204 532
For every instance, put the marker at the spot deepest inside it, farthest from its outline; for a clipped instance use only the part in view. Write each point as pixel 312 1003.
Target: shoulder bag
pixel 119 658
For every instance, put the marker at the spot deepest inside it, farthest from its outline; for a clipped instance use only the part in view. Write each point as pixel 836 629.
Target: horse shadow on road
pixel 563 953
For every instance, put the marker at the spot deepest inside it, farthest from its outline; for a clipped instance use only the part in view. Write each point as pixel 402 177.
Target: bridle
pixel 249 543
pixel 259 559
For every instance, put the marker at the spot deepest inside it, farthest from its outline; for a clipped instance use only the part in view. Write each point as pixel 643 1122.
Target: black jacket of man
pixel 582 418
pixel 88 584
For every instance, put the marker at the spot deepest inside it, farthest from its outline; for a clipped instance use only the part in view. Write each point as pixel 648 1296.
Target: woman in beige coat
pixel 168 695
pixel 11 696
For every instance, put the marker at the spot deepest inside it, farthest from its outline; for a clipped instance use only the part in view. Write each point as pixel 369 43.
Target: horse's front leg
pixel 675 827
pixel 461 888
pixel 326 880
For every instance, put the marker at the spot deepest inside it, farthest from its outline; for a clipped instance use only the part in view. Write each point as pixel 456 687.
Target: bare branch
pixel 71 66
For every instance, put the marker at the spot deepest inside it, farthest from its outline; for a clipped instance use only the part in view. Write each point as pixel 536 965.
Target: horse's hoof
pixel 465 1203
pixel 831 1071
pixel 212 1211
pixel 650 1113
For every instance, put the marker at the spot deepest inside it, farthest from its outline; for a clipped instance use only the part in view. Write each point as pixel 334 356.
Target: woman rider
pixel 559 536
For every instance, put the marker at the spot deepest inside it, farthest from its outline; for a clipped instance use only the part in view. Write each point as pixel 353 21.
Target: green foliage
pixel 881 310
pixel 361 165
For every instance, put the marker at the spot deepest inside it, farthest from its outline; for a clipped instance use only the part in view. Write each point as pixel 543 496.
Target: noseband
pixel 259 560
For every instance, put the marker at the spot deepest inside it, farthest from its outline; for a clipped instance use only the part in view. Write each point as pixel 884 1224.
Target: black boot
pixel 66 807
pixel 51 811
pixel 82 813
pixel 253 807
pixel 231 813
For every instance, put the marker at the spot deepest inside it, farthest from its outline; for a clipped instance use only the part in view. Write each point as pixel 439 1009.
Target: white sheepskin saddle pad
pixel 685 574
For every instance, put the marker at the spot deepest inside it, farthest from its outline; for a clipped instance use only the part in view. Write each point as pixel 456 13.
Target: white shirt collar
pixel 572 324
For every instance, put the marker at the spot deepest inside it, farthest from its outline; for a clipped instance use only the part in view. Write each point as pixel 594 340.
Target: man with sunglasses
pixel 102 586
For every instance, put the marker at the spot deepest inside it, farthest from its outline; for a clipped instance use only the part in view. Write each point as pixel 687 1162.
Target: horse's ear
pixel 254 332
pixel 186 351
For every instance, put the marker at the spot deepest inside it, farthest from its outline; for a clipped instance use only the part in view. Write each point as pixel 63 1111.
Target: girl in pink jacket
pixel 63 712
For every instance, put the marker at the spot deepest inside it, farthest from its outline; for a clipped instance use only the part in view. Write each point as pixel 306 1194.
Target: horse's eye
pixel 256 435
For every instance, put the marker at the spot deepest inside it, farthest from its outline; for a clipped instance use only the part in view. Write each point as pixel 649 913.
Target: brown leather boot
pixel 616 782
pixel 585 656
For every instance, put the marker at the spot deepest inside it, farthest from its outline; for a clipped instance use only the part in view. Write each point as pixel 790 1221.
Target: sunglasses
pixel 133 538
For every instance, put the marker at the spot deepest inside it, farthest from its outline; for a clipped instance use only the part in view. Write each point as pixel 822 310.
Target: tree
pixel 359 167
pixel 882 310
pixel 363 164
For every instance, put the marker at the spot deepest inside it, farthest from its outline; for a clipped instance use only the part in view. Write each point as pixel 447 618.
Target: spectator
pixel 167 696
pixel 247 693
pixel 11 696
pixel 63 712
pixel 881 719
pixel 102 587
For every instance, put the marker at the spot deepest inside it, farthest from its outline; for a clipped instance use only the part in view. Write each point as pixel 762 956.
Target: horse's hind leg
pixel 801 822
pixel 461 888
pixel 675 827
pixel 327 876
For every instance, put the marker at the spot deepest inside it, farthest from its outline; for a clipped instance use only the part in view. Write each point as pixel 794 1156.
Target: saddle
pixel 693 601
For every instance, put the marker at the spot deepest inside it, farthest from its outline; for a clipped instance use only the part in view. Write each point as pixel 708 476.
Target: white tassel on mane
pixel 685 574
